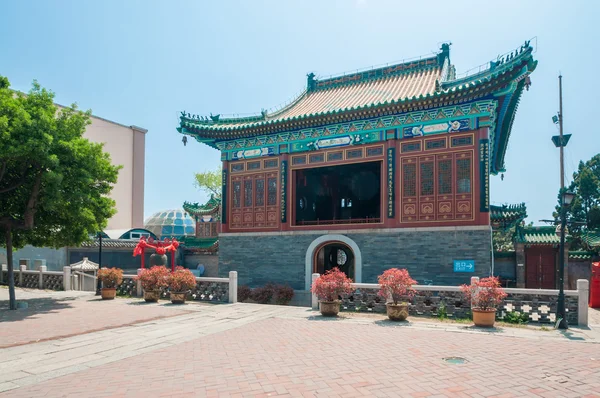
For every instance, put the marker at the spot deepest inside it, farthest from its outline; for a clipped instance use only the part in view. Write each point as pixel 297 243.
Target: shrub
pixel 110 277
pixel 486 294
pixel 181 280
pixel 244 293
pixel 263 295
pixel 153 278
pixel 396 284
pixel 333 284
pixel 516 318
pixel 283 294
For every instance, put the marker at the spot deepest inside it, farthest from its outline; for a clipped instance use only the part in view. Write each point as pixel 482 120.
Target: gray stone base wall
pixel 428 254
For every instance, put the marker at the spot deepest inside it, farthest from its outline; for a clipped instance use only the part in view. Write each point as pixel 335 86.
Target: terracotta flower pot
pixel 151 296
pixel 178 298
pixel 108 293
pixel 397 312
pixel 330 308
pixel 484 318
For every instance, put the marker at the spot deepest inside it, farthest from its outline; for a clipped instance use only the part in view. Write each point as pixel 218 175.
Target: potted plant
pixel 180 282
pixel 110 278
pixel 484 296
pixel 152 280
pixel 328 288
pixel 395 285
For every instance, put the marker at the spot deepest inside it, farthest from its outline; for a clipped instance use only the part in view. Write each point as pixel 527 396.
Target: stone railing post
pixel 233 286
pixel 22 268
pixel 66 278
pixel 138 284
pixel 583 290
pixel 43 269
pixel 314 298
pixel 474 280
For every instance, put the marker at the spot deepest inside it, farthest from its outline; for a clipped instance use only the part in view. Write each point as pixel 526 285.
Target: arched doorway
pixel 329 245
pixel 331 255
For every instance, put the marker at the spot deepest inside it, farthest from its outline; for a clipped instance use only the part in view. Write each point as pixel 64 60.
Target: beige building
pixel 126 146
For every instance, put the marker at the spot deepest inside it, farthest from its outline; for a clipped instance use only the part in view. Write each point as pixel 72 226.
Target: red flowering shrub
pixel 244 293
pixel 181 280
pixel 486 294
pixel 333 284
pixel 110 277
pixel 396 283
pixel 283 294
pixel 264 294
pixel 153 278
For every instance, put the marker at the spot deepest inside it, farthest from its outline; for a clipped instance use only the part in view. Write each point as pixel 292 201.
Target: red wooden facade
pixel 436 182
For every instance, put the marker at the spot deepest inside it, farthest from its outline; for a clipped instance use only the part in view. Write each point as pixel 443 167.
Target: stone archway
pixel 319 243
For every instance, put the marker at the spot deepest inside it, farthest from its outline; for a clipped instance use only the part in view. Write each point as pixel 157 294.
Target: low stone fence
pixel 436 301
pixel 34 279
pixel 216 290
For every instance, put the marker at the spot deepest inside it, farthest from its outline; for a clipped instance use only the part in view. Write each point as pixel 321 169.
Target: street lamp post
pixel 565 200
pixel 99 284
pixel 560 141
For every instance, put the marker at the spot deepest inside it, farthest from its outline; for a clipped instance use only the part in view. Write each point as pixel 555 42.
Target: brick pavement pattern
pixel 49 318
pixel 317 357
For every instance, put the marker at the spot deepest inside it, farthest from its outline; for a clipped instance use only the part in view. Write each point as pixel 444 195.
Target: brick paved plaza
pixel 253 350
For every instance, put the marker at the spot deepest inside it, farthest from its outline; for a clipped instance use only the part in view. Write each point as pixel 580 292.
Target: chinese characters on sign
pixel 224 197
pixel 464 265
pixel 484 166
pixel 391 162
pixel 283 190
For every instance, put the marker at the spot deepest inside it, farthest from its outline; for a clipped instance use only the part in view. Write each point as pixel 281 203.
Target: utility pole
pixel 560 311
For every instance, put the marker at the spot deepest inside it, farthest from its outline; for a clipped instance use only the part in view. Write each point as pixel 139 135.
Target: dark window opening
pixel 338 194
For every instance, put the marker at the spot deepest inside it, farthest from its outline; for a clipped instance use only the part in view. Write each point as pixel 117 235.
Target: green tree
pixel 586 204
pixel 211 181
pixel 53 182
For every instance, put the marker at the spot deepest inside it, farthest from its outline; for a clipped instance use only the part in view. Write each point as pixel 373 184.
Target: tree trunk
pixel 11 274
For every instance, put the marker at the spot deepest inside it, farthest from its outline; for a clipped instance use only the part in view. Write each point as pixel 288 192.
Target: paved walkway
pixel 81 311
pixel 259 350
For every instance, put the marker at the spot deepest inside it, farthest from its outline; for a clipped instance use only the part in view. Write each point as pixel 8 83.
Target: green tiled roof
pixel 507 215
pixel 210 207
pixel 591 239
pixel 200 243
pixel 396 89
pixel 538 236
pixel 580 255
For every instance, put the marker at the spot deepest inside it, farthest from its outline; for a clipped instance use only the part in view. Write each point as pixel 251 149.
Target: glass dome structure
pixel 171 224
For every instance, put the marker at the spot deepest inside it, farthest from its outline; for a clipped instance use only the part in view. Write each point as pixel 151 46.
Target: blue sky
pixel 141 62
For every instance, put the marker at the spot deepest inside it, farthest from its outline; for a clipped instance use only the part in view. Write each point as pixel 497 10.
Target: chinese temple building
pixel 383 168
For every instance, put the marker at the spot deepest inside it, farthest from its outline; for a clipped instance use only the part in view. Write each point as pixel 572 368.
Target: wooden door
pixel 540 268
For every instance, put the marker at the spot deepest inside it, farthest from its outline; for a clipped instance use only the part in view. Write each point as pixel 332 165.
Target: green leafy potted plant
pixel 485 296
pixel 328 288
pixel 110 278
pixel 180 282
pixel 153 280
pixel 395 285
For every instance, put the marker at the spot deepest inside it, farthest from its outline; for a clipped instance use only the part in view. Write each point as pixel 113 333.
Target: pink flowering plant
pixel 153 278
pixel 396 284
pixel 333 284
pixel 486 295
pixel 181 280
pixel 110 277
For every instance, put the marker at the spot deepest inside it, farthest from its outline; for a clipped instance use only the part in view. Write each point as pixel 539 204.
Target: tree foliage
pixel 210 181
pixel 585 207
pixel 53 182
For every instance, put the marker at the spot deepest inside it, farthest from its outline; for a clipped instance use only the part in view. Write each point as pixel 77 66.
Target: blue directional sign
pixel 464 265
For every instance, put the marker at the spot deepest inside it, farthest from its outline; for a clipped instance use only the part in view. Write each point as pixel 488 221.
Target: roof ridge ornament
pixel 311 82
